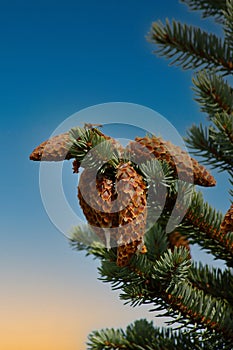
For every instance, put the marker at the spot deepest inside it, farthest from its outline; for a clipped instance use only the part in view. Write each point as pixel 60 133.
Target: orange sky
pixel 57 326
pixel 46 315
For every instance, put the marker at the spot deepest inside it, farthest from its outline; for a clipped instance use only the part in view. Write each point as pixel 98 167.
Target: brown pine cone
pixel 227 224
pixel 189 169
pixel 176 239
pixel 76 166
pixel 118 205
pixel 96 196
pixel 131 191
pixel 57 147
pixel 54 149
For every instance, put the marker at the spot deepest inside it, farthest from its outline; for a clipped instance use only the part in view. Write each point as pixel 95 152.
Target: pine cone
pixel 57 148
pixel 54 149
pixel 131 190
pixel 188 168
pixel 227 224
pixel 176 239
pixel 96 196
pixel 118 205
pixel 76 166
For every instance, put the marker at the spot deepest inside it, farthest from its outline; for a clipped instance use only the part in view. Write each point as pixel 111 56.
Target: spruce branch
pixel 197 297
pixel 192 304
pixel 224 122
pixel 212 281
pixel 212 145
pixel 165 284
pixel 156 171
pixel 213 93
pixel 228 23
pixel 202 310
pixel 142 335
pixel 201 225
pixel 190 47
pixel 139 335
pixel 131 279
pixel 213 8
pixel 92 148
pixel 156 241
pixel 172 267
pixel 84 238
pixel 167 281
pixel 108 339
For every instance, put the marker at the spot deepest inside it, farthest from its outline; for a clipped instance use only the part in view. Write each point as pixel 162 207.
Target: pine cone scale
pixel 143 148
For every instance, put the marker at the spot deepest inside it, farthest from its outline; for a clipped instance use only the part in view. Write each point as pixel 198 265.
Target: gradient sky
pixel 58 57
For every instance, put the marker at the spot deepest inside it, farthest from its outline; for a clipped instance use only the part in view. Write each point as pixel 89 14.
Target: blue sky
pixel 56 59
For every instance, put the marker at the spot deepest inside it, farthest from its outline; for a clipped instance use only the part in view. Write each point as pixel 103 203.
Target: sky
pixel 58 58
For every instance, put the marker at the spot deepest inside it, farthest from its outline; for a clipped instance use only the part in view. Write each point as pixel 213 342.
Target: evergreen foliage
pixel 196 297
pixel 213 93
pixel 209 8
pixel 190 47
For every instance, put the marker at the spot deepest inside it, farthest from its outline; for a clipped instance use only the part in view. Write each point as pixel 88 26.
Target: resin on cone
pixel 116 209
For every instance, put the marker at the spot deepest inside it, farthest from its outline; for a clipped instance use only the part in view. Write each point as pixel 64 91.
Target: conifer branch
pixel 196 297
pixel 228 23
pixel 169 281
pixel 213 93
pixel 166 283
pixel 201 309
pixel 191 47
pixel 201 224
pixel 213 8
pixel 83 238
pixel 212 145
pixel 212 281
pixel 92 147
pixel 108 339
pixel 142 335
pixel 224 122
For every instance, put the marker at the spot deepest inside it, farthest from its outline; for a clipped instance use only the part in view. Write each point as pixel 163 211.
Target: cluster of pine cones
pixel 114 198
